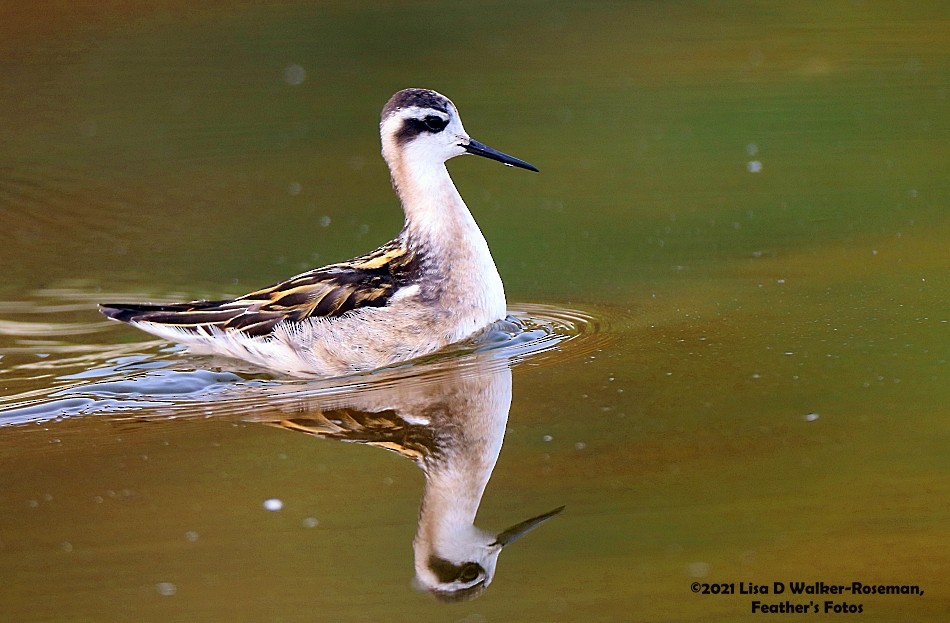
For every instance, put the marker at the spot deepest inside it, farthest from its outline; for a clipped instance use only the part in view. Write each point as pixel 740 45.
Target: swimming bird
pixel 451 423
pixel 432 285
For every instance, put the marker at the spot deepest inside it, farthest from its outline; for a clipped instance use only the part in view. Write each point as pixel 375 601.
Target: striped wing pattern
pixel 366 281
pixel 383 429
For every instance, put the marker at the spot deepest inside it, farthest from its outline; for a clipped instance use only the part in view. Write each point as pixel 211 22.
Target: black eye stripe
pixel 435 124
pixel 448 572
pixel 412 127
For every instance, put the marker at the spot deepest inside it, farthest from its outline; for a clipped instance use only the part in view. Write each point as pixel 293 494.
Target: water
pixel 732 268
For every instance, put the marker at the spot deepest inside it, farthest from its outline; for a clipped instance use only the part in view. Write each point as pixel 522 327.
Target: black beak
pixel 480 149
pixel 515 532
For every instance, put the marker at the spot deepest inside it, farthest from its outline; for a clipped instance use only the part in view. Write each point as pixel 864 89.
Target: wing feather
pixel 383 429
pixel 366 281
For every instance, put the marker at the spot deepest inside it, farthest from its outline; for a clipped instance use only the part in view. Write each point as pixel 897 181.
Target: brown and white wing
pixel 366 281
pixel 383 429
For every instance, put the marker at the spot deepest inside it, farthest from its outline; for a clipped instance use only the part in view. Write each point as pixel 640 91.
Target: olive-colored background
pixel 749 198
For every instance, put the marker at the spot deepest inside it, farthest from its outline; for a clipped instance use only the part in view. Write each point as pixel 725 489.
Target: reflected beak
pixel 480 149
pixel 517 531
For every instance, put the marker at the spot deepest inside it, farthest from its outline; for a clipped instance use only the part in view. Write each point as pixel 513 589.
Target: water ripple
pixel 166 381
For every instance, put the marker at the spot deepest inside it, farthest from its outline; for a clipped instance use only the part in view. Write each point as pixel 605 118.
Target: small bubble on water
pixel 547 438
pixel 580 445
pixel 294 188
pixel 324 221
pixel 66 546
pixel 191 536
pixel 310 522
pixel 273 504
pixel 752 149
pixel 294 74
pixel 166 588
pixel 754 166
pixel 810 417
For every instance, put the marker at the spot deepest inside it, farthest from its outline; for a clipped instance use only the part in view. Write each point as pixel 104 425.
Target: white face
pixel 456 581
pixel 423 134
pixel 422 127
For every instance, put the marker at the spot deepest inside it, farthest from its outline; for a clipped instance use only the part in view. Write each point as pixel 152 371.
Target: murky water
pixel 730 283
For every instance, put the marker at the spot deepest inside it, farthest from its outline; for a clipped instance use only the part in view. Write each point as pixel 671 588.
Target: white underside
pixel 364 339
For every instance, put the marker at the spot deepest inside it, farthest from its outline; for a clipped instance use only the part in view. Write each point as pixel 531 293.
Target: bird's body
pixel 452 425
pixel 432 285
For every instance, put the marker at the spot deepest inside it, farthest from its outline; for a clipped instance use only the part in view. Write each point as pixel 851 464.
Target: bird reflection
pixel 451 424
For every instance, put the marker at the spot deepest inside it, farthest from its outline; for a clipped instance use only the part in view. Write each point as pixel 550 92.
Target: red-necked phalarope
pixel 432 285
pixel 453 430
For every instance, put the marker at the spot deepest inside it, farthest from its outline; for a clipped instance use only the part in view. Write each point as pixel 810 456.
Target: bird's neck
pixel 456 476
pixel 436 215
pixel 440 226
pixel 449 505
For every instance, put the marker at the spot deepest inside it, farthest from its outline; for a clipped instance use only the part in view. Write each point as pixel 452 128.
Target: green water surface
pixel 748 199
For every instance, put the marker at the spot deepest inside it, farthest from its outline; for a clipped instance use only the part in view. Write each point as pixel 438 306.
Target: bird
pixel 433 285
pixel 451 423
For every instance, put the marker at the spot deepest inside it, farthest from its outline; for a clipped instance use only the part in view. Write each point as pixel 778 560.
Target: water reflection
pixel 447 413
pixel 451 425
